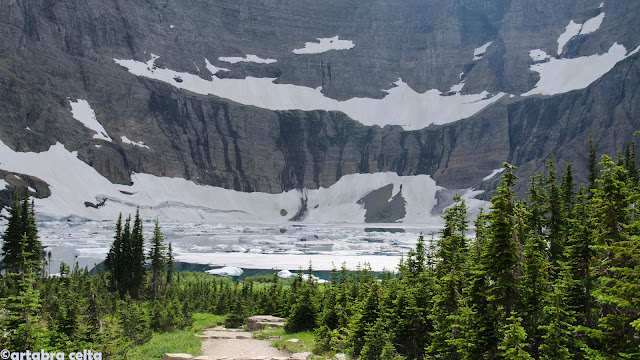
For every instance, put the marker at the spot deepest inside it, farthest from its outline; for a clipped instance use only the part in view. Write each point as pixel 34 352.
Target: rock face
pixel 53 52
pixel 258 322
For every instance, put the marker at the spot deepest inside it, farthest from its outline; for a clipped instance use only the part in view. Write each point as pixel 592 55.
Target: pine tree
pixel 480 330
pixel 21 222
pixel 136 264
pixel 535 286
pixel 558 334
pixel 618 271
pixel 23 304
pixel 593 164
pixel 12 238
pixel 158 258
pixel 366 315
pixel 114 260
pixel 578 273
pixel 502 260
pixel 451 273
pixel 513 346
pixel 554 223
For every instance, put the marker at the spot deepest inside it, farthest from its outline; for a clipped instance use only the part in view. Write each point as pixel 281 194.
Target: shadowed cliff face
pixel 54 51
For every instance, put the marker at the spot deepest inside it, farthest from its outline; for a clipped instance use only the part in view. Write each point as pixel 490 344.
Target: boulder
pixel 301 356
pixel 258 322
pixel 177 357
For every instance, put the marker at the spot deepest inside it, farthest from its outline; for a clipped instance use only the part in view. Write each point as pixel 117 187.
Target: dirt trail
pixel 220 343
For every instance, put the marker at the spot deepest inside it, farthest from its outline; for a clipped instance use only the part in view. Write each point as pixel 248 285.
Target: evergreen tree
pixel 22 305
pixel 535 286
pixel 12 238
pixel 558 334
pixel 480 319
pixel 513 346
pixel 170 269
pixel 158 258
pixel 502 258
pixel 451 273
pixel 578 274
pixel 136 265
pixel 21 222
pixel 593 164
pixel 554 222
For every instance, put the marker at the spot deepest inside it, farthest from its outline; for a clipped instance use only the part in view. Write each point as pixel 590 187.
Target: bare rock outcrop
pixel 258 322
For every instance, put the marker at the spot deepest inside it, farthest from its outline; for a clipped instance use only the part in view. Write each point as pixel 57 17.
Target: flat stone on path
pixel 177 357
pixel 239 349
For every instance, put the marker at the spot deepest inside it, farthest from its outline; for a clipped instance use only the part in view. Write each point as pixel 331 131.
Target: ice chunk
pixel 226 271
pixel 285 274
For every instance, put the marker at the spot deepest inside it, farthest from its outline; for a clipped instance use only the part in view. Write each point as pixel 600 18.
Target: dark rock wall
pixel 51 51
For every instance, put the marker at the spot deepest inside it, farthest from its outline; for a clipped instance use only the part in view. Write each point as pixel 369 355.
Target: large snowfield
pixel 221 227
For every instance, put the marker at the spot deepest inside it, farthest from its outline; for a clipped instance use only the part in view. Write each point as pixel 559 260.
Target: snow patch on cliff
pixel 592 24
pixel 559 76
pixel 574 29
pixel 3 184
pixel 130 142
pixel 401 106
pixel 212 68
pixel 479 52
pixel 538 55
pixel 248 58
pixel 324 45
pixel 493 173
pixel 82 111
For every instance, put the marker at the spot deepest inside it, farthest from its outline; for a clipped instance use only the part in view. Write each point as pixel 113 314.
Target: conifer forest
pixel 553 275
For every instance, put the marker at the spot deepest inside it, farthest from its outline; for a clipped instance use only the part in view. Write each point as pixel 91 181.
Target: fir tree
pixel 22 222
pixel 12 238
pixel 136 265
pixel 23 304
pixel 578 274
pixel 451 272
pixel 513 346
pixel 558 334
pixel 502 260
pixel 593 164
pixel 158 258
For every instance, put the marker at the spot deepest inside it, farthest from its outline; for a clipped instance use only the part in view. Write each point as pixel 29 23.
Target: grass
pixel 176 341
pixel 306 339
pixel 203 321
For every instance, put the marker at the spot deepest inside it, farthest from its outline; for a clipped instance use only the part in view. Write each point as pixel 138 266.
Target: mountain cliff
pixel 274 95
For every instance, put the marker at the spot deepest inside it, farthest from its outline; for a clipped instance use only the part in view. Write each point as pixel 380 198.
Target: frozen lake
pixel 275 246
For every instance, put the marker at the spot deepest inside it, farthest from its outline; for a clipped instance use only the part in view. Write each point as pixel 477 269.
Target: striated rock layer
pixel 53 52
